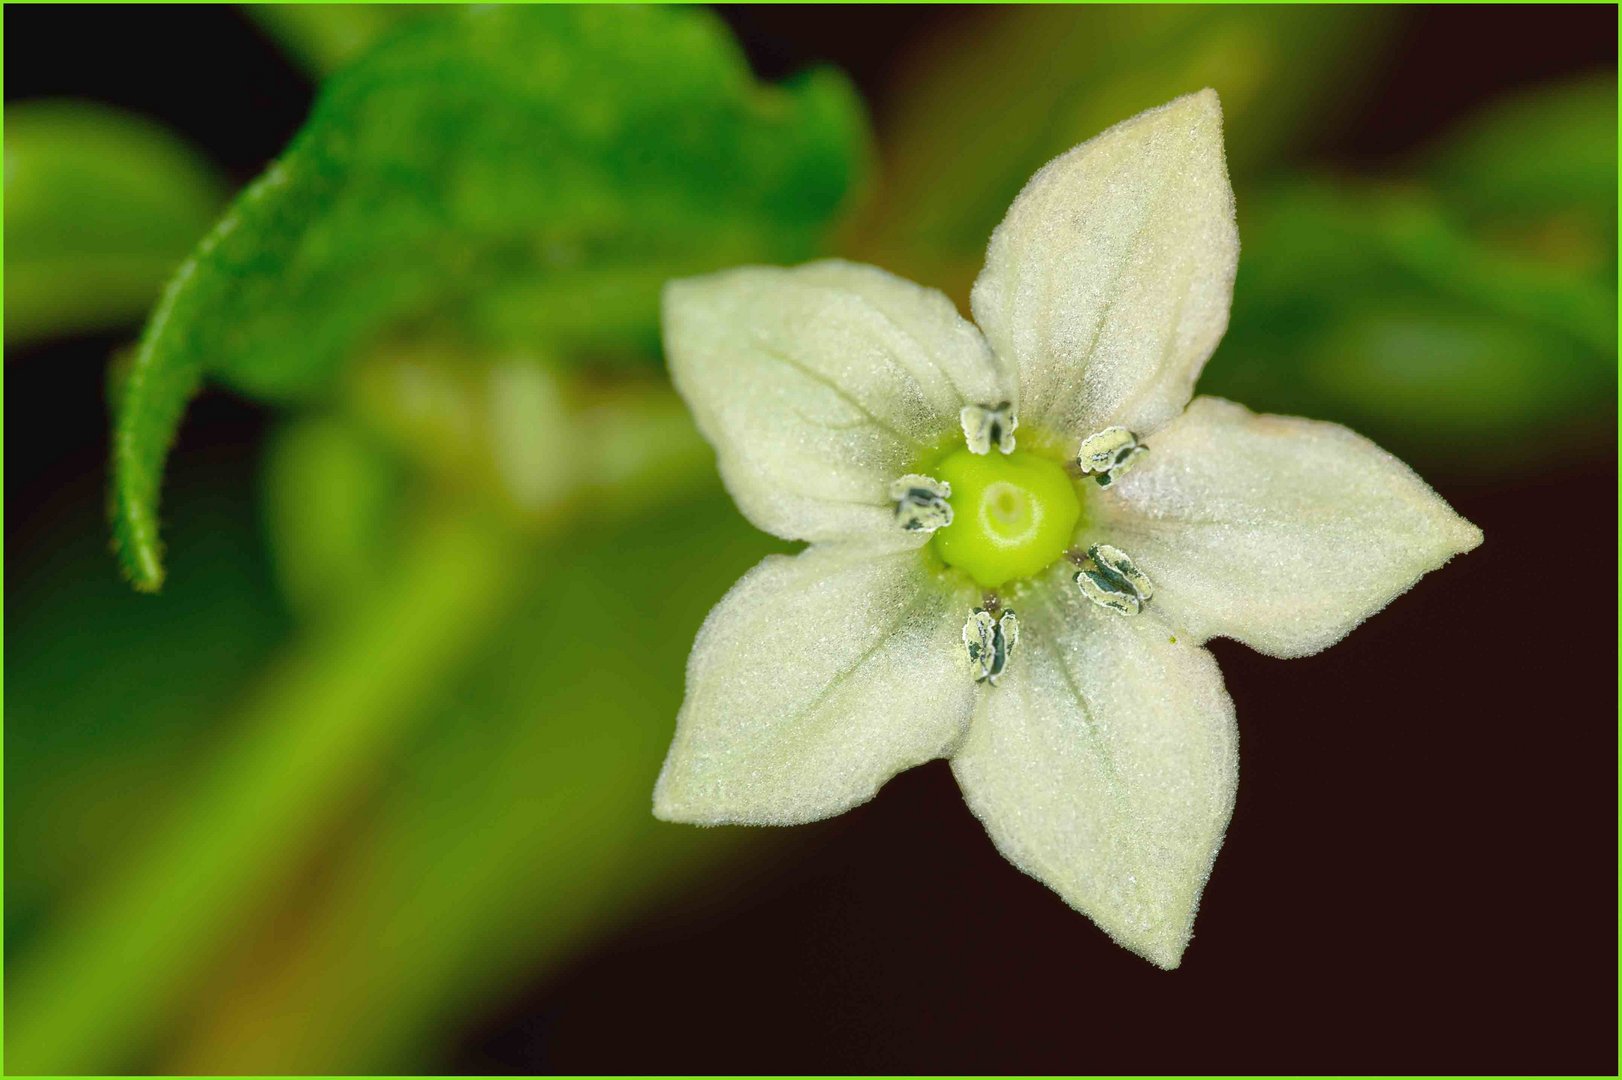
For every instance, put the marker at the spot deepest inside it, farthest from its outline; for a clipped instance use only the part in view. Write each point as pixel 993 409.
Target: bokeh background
pixel 366 786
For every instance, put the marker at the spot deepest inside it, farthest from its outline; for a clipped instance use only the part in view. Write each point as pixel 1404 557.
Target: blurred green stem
pixel 1568 301
pixel 113 969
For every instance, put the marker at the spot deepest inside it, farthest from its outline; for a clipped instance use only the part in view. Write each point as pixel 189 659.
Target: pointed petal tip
pixel 1467 536
pixel 1104 766
pixel 1166 959
pixel 1206 98
pixel 1454 537
pixel 678 808
pixel 664 807
pixel 1203 105
pixel 1160 946
pixel 1200 112
pixel 1108 282
pixel 672 814
pixel 679 799
pixel 1325 531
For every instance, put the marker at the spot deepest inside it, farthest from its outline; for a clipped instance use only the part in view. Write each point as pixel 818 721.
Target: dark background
pixel 1420 873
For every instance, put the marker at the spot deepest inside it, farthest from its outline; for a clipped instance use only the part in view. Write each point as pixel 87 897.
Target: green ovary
pixel 1013 515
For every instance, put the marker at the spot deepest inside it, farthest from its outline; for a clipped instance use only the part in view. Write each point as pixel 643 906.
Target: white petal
pixel 1104 766
pixel 816 679
pixel 819 385
pixel 1281 532
pixel 1108 283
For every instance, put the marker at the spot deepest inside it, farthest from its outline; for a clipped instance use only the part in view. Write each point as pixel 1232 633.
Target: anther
pixel 985 426
pixel 1108 454
pixel 1111 580
pixel 920 502
pixel 990 641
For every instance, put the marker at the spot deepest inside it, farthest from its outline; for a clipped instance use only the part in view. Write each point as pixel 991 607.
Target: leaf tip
pixel 145 570
pixel 139 552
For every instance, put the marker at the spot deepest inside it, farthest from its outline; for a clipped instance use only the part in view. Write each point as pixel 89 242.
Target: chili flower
pixel 1022 533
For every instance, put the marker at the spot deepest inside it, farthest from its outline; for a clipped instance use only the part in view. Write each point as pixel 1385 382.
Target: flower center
pixel 1013 515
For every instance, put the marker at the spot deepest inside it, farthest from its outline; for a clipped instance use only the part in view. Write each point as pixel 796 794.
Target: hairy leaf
pixel 498 154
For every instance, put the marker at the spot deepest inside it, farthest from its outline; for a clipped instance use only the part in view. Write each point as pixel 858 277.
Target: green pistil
pixel 1013 515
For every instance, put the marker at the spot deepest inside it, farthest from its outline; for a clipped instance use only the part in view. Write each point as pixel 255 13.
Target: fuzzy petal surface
pixel 1105 765
pixel 1282 533
pixel 1108 283
pixel 821 384
pixel 816 679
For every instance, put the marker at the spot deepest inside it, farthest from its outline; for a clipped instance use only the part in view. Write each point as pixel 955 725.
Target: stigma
pixel 1013 515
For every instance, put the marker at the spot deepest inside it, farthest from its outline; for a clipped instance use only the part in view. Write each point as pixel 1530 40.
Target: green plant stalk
pixel 502 851
pixel 88 999
pixel 112 972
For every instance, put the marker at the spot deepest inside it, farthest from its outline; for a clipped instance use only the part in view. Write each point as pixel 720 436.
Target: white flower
pixel 1049 462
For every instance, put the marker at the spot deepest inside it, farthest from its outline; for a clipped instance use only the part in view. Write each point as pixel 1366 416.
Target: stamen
pixel 920 502
pixel 1111 580
pixel 985 426
pixel 990 641
pixel 1108 454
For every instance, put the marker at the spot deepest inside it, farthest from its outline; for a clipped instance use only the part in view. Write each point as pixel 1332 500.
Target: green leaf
pixel 499 152
pixel 100 207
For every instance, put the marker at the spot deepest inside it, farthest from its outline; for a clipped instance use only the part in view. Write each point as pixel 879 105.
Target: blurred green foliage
pixel 100 207
pixel 384 746
pixel 325 37
pixel 109 700
pixel 993 96
pixel 501 174
pixel 541 441
pixel 1463 314
pixel 514 823
pixel 332 498
pixel 1537 153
